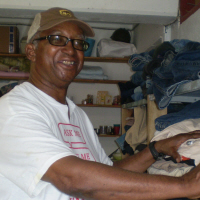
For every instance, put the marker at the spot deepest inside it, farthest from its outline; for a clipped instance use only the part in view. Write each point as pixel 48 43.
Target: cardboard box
pixel 9 39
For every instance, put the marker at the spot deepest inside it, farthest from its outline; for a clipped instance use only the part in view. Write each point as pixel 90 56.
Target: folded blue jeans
pixel 190 111
pixel 184 67
pixel 137 96
pixel 138 61
pixel 179 44
pixel 137 78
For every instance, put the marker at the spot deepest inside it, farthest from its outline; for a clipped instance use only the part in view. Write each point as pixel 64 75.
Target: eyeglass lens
pixel 62 41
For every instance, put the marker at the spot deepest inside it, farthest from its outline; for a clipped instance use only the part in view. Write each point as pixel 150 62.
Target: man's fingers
pixel 176 156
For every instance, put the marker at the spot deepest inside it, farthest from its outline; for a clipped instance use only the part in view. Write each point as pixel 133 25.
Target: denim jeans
pixel 190 46
pixel 169 56
pixel 137 96
pixel 184 67
pixel 179 44
pixel 137 78
pixel 190 111
pixel 138 61
pixel 164 90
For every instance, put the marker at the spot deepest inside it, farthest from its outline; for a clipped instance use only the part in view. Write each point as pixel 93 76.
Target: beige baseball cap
pixel 53 17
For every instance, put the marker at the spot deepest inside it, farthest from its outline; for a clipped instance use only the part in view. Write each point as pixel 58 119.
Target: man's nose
pixel 69 47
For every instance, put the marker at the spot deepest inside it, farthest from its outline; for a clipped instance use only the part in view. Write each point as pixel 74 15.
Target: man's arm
pixel 92 180
pixel 141 161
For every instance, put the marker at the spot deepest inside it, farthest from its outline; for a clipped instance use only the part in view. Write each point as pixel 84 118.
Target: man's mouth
pixel 68 62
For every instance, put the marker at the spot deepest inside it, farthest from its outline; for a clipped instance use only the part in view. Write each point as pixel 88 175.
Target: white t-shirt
pixel 35 131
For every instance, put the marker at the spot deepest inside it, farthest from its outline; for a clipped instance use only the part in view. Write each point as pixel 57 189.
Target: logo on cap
pixel 65 13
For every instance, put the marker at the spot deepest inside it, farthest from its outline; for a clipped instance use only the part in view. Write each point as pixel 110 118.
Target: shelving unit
pixel 188 92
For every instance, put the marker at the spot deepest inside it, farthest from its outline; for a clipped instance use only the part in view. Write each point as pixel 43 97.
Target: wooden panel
pixel 187 8
pixel 152 113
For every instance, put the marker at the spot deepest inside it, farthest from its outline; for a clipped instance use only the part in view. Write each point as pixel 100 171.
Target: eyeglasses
pixel 58 40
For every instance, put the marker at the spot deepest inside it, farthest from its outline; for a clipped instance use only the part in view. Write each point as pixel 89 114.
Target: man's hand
pixel 170 145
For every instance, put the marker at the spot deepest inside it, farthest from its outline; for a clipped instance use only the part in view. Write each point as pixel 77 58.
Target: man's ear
pixel 30 52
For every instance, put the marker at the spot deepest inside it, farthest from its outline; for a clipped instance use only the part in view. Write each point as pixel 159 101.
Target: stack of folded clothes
pixel 92 72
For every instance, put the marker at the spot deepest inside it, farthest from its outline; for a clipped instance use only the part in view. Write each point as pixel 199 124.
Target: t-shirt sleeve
pixel 27 149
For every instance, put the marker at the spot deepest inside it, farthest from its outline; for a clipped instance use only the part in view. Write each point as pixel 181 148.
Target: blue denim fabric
pixel 137 78
pixel 138 61
pixel 169 56
pixel 178 44
pixel 186 70
pixel 164 95
pixel 190 46
pixel 127 93
pixel 184 67
pixel 175 107
pixel 138 89
pixel 150 90
pixel 190 111
pixel 137 96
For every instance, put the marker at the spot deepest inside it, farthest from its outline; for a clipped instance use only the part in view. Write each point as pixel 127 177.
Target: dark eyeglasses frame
pixel 68 39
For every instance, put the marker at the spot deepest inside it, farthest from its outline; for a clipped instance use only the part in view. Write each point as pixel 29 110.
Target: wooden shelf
pixel 13 78
pixel 107 59
pixel 98 81
pixel 90 59
pixel 95 105
pixel 12 55
pixel 108 135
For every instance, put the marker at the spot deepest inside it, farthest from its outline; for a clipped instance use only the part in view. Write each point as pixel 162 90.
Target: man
pixel 48 148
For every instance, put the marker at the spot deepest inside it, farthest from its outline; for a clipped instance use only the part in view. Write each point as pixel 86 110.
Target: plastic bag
pixel 110 48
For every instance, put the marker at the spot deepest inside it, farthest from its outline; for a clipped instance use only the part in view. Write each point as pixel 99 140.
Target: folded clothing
pixel 169 168
pixel 91 76
pixel 91 70
pixel 189 149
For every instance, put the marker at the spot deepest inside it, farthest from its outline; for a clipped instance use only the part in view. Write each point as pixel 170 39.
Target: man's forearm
pixel 88 179
pixel 136 163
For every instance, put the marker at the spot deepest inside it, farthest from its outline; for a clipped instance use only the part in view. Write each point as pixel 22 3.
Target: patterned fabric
pixel 6 88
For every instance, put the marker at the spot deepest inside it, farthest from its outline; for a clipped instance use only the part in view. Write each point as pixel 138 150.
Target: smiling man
pixel 48 148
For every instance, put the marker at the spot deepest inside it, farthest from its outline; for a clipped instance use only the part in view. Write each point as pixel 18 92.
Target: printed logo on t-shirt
pixel 74 139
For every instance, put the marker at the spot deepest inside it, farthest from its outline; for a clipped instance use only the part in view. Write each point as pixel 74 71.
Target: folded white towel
pixel 91 70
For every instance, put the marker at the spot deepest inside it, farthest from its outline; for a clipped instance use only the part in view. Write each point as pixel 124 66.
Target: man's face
pixel 57 66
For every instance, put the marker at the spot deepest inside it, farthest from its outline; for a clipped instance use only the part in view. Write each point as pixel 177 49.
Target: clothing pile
pixel 186 120
pixel 166 67
pixel 92 72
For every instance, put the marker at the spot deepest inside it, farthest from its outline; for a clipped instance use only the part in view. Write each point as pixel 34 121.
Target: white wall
pixel 189 29
pixel 148 35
